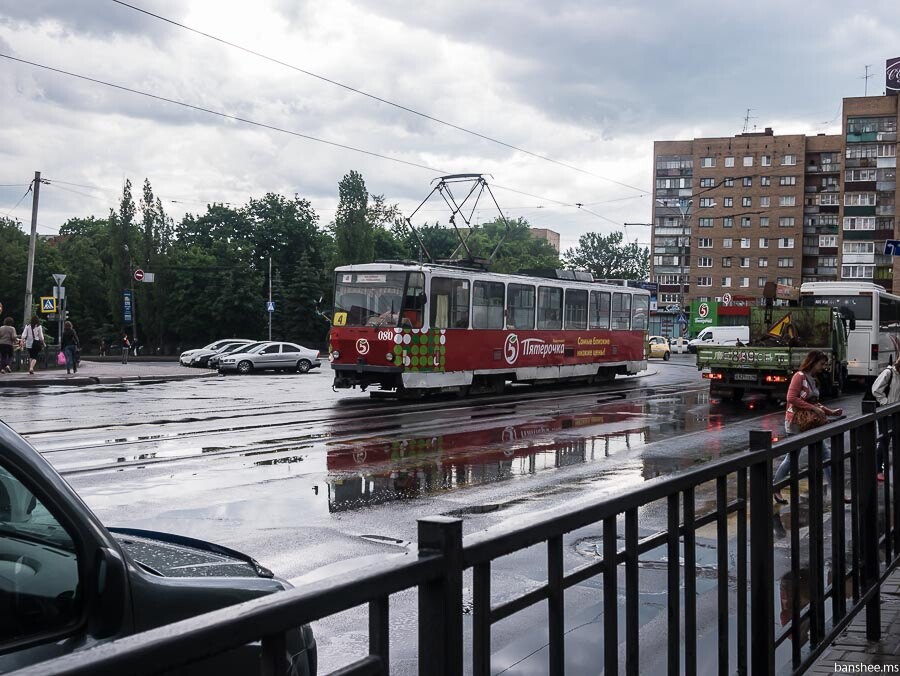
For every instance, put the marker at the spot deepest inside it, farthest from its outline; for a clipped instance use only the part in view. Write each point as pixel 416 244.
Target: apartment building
pixel 732 213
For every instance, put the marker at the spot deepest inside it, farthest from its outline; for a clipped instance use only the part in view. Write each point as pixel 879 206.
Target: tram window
pixel 487 305
pixel 449 303
pixel 621 311
pixel 549 312
pixel 639 317
pixel 599 310
pixel 414 303
pixel 519 307
pixel 576 308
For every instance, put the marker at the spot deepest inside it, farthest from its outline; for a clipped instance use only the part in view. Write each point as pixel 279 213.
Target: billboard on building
pixel 892 76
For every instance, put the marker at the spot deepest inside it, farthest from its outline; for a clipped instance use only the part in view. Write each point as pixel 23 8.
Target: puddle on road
pixel 364 473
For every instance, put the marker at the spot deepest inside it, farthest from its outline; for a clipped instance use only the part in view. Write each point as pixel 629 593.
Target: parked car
pixel 68 582
pixel 720 335
pixel 283 356
pixel 214 359
pixel 201 358
pixel 659 347
pixel 185 357
pixel 678 345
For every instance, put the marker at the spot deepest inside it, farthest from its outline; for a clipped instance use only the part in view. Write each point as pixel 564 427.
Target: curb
pixel 82 381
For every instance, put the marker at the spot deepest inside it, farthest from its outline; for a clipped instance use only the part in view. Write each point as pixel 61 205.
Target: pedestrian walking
pixel 126 345
pixel 803 402
pixel 885 390
pixel 103 347
pixel 8 341
pixel 71 347
pixel 33 334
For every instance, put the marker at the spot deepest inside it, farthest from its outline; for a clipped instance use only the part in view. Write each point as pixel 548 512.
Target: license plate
pixel 745 376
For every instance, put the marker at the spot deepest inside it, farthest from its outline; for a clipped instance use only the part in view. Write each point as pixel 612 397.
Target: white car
pixel 186 356
pixel 678 345
pixel 271 356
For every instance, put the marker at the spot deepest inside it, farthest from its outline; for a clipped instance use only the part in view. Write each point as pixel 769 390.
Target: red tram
pixel 412 328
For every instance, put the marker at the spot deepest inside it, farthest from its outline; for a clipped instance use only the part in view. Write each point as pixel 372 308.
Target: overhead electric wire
pixel 226 116
pixel 6 215
pixel 78 185
pixel 377 98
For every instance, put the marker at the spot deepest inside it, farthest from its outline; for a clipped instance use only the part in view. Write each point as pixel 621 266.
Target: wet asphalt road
pixel 311 482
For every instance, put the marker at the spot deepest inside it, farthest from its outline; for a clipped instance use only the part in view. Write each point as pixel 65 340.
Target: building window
pixel 706 222
pixel 785 242
pixel 859 247
pixel 726 262
pixel 787 281
pixel 761 282
pixel 726 243
pixel 787 180
pixel 765 181
pixel 745 261
pixel 858 151
pixel 857 271
pixel 704 262
pixel 707 162
pixel 763 262
pixel 787 201
pixel 745 282
pixel 727 202
pixel 726 282
pixel 766 160
pixel 763 242
pixel 786 222
pixel 745 243
pixel 745 221
pixel 746 201
pixel 859 223
pixel 789 160
pixel 704 281
pixel 826 199
pixel 729 161
pixel 727 222
pixel 827 261
pixel 852 175
pixel 728 182
pixel 764 221
pixel 707 182
pixel 785 262
pixel 887 150
pixel 706 202
pixel 764 202
pixel 828 240
pixel 747 181
pixel 748 160
pixel 859 199
pixel 705 242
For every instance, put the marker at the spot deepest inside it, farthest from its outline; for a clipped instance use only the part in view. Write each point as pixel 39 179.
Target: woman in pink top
pixel 803 392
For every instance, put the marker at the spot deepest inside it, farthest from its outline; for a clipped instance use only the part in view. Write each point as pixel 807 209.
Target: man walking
pixel 886 390
pixel 126 345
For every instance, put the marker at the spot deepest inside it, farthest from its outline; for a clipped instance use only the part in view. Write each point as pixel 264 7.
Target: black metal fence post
pixel 762 575
pixel 868 510
pixel 440 601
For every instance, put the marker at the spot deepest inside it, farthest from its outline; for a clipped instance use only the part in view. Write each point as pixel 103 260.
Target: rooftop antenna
pixel 747 118
pixel 866 78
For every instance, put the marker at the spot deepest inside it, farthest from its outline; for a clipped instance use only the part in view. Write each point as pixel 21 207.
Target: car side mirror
pixel 110 592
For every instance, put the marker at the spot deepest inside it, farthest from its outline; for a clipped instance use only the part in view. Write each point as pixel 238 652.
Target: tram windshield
pixel 384 299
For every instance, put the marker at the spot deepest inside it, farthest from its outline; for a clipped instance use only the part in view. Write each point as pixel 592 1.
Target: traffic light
pixel 66 316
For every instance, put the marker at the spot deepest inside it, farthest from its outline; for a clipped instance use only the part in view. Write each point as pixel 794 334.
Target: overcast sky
pixel 590 84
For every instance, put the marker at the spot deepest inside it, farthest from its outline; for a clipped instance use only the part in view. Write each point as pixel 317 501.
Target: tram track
pixel 362 432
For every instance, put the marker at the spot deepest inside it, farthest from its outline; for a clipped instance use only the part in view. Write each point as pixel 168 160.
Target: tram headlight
pixel 389 356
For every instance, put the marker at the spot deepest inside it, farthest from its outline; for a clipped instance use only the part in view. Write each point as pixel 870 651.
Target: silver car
pixel 281 356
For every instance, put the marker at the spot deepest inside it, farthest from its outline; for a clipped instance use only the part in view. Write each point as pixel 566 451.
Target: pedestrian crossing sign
pixel 48 304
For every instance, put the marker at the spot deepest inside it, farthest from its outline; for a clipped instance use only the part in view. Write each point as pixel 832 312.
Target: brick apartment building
pixel 732 213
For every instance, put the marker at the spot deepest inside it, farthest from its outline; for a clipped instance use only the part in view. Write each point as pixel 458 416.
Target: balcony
pixel 884 210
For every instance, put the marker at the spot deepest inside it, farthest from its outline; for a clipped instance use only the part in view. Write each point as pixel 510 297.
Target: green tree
pixel 120 252
pixel 81 245
pixel 14 247
pixel 303 324
pixel 608 256
pixel 352 229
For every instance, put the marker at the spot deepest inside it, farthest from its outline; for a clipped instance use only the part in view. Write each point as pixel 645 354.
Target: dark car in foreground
pixel 68 583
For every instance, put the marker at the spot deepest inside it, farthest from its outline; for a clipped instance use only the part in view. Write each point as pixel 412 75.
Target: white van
pixel 720 335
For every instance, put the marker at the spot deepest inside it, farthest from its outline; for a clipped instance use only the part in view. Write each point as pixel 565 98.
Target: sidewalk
pixel 851 648
pixel 107 372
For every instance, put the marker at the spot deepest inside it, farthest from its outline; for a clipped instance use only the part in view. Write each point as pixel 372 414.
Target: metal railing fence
pixel 841 580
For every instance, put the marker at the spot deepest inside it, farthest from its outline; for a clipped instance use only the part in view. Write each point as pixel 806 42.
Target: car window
pixel 271 349
pixel 40 592
pixel 290 347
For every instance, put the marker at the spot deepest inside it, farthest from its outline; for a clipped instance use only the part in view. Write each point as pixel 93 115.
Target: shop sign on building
pixel 892 76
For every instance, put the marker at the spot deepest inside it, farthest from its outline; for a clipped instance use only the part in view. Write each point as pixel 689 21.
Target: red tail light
pixel 713 376
pixel 875 352
pixel 776 379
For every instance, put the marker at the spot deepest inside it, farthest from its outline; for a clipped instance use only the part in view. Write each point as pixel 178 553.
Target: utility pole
pixel 270 297
pixel 35 191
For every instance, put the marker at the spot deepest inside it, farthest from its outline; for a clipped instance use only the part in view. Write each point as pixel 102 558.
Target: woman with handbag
pixel 34 341
pixel 804 412
pixel 71 346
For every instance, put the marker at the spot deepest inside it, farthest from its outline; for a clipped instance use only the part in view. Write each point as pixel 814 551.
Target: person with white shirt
pixel 34 341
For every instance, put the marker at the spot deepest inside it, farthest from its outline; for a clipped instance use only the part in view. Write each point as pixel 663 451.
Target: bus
pixel 875 315
pixel 414 328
